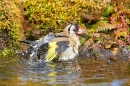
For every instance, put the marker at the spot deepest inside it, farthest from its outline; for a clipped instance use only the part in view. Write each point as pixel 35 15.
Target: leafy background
pixel 31 19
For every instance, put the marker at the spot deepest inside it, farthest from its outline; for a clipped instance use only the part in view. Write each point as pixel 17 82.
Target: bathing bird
pixel 62 46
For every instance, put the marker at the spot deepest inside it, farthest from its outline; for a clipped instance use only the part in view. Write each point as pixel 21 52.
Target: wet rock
pixel 124 51
pixel 107 54
pixel 111 54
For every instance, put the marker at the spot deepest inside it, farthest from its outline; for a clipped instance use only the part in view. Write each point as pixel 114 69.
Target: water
pixel 84 72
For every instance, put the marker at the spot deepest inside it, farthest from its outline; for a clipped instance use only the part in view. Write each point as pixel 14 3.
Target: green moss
pixel 10 24
pixel 108 10
pixel 53 14
pixel 6 53
pixel 10 19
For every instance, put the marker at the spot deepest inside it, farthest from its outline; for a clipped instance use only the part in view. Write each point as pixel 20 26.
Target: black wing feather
pixel 62 46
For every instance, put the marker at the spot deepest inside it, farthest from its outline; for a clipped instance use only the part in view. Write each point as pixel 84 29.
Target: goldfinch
pixel 63 45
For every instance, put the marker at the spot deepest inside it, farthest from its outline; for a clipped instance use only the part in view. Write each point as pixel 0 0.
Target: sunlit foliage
pixel 10 19
pixel 112 26
pixel 53 15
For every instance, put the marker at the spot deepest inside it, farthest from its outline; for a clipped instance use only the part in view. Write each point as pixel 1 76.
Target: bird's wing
pixel 36 46
pixel 62 34
pixel 50 46
pixel 56 47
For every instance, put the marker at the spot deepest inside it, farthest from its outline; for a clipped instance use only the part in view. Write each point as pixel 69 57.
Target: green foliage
pixel 10 19
pixel 6 53
pixel 128 47
pixel 10 24
pixel 54 14
pixel 113 25
pixel 108 10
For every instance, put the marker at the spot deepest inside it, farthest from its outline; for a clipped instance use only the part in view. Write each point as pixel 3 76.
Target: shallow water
pixel 84 72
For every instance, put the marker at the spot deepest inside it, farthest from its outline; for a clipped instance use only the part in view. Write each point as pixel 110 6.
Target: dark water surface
pixel 84 72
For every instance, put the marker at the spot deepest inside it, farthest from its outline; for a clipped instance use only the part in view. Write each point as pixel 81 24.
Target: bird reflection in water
pixel 66 72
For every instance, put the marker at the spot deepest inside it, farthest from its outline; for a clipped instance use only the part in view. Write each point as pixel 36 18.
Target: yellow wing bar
pixel 51 54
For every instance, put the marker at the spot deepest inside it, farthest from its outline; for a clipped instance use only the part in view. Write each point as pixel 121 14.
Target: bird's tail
pixel 35 52
pixel 37 48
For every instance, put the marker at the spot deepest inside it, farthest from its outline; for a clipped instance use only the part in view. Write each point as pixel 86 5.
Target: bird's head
pixel 75 29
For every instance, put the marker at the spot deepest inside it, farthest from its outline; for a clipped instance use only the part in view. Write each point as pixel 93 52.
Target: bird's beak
pixel 81 30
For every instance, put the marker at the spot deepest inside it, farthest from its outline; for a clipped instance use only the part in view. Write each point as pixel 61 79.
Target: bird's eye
pixel 76 27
